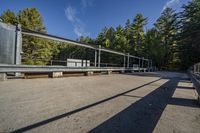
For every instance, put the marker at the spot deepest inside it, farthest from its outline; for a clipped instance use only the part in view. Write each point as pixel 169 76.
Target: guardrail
pixel 36 68
pixel 194 73
pixel 58 71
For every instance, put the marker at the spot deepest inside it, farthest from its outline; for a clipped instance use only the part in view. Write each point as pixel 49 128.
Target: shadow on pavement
pixel 132 96
pixel 185 87
pixel 184 102
pixel 52 119
pixel 143 115
pixel 146 74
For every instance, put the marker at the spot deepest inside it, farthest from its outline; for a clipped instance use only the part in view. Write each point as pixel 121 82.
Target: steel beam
pixel 112 51
pixel 56 38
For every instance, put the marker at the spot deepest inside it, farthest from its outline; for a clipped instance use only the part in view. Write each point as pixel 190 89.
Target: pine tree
pixel 153 47
pixel 138 33
pixel 189 36
pixel 166 25
pixel 9 17
pixel 120 41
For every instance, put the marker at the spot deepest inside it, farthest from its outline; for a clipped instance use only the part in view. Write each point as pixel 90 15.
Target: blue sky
pixel 73 18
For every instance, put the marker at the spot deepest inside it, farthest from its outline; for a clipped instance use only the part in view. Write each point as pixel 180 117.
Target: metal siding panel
pixel 7 44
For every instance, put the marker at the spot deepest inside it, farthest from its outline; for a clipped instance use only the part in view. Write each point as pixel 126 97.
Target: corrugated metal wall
pixel 10 44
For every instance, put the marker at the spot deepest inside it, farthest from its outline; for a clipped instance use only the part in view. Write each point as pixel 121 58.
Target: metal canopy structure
pixel 17 67
pixel 90 46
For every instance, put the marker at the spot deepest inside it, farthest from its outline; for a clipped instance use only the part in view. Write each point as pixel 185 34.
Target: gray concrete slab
pixel 106 103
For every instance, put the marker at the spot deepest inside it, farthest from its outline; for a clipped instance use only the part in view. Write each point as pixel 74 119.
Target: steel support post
pixel 95 58
pixel 99 57
pixel 18 47
pixel 142 63
pixel 128 58
pixel 199 68
pixel 194 71
pixel 196 68
pixel 139 65
pixel 124 60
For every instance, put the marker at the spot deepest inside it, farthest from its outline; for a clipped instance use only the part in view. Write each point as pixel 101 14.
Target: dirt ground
pixel 116 103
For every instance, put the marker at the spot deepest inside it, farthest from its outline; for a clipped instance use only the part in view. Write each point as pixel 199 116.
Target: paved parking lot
pixel 151 102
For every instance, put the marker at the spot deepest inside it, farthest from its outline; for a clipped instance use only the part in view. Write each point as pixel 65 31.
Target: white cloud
pixel 79 26
pixel 80 31
pixel 70 13
pixel 171 4
pixel 87 3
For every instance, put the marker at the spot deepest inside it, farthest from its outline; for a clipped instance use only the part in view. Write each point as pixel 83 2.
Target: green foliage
pixel 120 41
pixel 106 37
pixel 138 33
pixel 9 17
pixel 166 25
pixel 153 48
pixel 189 36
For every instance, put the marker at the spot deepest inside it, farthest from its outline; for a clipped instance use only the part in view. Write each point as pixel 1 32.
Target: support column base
pixel 122 71
pixel 56 74
pixel 3 76
pixel 89 73
pixel 109 72
pixel 132 71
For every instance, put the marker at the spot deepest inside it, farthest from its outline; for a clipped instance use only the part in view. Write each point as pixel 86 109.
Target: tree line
pixel 172 43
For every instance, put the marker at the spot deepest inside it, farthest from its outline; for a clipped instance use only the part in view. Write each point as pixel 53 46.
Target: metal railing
pixel 92 64
pixel 35 69
pixel 96 64
pixel 194 73
pixel 97 49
